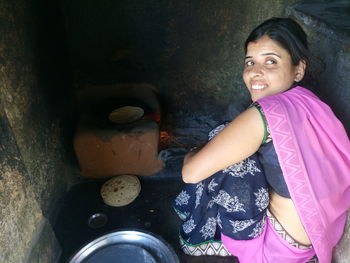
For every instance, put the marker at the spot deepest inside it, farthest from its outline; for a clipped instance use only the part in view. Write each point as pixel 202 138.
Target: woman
pixel 287 136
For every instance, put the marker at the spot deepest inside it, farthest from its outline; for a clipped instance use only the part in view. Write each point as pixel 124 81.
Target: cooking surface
pixel 78 224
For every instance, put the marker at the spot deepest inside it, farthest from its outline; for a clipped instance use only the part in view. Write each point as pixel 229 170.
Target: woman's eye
pixel 249 63
pixel 270 62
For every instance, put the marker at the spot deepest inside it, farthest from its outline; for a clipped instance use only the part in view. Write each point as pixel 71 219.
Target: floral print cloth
pixel 233 201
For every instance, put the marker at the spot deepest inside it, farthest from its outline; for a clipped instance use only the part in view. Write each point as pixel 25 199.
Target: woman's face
pixel 268 68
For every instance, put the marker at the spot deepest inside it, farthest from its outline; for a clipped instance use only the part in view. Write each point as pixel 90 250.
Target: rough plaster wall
pixel 31 90
pixel 44 246
pixel 26 236
pixel 332 59
pixel 204 59
pixel 34 100
pixel 191 51
pixel 33 106
pixel 19 211
pixel 330 45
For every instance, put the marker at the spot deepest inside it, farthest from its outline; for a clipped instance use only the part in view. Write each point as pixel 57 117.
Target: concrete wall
pixel 20 212
pixel 35 95
pixel 191 50
pixel 326 25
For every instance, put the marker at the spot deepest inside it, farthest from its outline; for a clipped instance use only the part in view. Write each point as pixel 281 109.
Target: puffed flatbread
pixel 121 190
pixel 126 114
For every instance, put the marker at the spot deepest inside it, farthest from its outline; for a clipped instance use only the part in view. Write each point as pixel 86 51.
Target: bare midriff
pixel 284 211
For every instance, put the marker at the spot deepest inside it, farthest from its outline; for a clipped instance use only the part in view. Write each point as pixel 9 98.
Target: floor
pixel 151 211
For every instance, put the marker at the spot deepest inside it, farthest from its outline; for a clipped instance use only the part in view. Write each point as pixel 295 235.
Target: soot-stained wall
pixel 191 51
pixel 34 112
pixel 327 25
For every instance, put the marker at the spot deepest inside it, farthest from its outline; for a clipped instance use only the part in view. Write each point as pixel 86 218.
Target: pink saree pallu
pixel 313 150
pixel 269 247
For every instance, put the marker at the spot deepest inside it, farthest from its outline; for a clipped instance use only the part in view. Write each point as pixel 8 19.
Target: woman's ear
pixel 300 71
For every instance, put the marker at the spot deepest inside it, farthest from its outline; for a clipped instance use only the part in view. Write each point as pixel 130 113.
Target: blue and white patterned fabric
pixel 232 201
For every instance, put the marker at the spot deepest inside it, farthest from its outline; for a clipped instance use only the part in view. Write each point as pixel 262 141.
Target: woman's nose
pixel 257 70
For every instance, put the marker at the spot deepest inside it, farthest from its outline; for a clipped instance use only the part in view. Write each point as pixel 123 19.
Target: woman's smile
pixel 258 87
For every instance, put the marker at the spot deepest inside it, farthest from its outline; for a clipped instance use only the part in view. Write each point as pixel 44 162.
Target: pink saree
pixel 313 150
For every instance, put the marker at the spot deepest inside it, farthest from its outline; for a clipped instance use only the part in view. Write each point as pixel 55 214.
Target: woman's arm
pixel 237 141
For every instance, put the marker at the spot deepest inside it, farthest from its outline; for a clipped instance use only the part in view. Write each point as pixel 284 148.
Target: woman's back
pixel 286 214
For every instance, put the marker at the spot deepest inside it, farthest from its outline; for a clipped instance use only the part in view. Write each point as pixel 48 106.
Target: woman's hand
pixel 237 141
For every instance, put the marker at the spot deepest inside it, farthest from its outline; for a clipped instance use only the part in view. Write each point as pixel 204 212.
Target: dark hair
pixel 287 33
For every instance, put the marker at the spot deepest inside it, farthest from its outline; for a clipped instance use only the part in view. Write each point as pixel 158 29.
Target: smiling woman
pixel 268 68
pixel 258 189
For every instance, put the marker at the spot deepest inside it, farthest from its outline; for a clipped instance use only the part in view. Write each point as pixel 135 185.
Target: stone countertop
pixel 151 211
